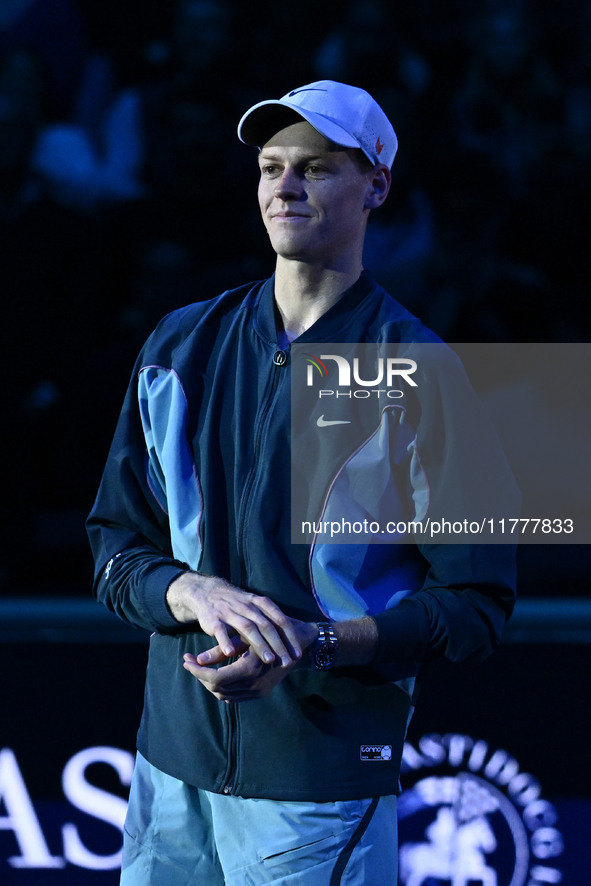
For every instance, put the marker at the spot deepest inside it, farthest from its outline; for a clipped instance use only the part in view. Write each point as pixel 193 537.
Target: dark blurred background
pixel 124 193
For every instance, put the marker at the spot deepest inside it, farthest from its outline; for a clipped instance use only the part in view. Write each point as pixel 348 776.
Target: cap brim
pixel 266 118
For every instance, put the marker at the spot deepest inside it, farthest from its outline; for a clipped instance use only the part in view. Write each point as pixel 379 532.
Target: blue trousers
pixel 179 835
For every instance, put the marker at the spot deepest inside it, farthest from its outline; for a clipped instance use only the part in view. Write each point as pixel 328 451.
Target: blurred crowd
pixel 124 193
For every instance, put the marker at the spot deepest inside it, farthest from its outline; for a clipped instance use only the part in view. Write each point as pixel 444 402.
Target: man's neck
pixel 303 293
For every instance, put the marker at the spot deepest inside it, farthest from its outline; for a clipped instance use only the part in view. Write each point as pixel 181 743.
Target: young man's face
pixel 314 197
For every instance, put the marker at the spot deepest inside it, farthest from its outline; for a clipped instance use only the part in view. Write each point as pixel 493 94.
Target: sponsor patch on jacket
pixel 380 753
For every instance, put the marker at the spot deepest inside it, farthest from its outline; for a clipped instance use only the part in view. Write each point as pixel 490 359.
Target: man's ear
pixel 379 183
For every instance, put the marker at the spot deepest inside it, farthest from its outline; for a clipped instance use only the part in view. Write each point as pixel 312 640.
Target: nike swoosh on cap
pixel 324 423
pixel 307 89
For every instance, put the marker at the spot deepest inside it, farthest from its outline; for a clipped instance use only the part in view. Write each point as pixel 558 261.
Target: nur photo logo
pixel 386 371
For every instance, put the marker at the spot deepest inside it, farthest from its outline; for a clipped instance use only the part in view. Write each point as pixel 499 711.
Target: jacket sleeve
pixel 469 589
pixel 460 611
pixel 128 530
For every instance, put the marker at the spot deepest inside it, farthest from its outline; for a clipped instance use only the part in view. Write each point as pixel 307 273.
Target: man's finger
pixel 282 626
pixel 246 668
pixel 216 654
pixel 263 625
pixel 262 639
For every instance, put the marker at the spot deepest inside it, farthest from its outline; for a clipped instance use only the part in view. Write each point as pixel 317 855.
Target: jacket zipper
pixel 262 420
pixel 231 769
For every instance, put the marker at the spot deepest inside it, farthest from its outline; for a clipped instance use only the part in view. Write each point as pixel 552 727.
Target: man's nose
pixel 289 186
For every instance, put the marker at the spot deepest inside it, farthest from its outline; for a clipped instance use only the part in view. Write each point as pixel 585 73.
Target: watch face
pixel 325 655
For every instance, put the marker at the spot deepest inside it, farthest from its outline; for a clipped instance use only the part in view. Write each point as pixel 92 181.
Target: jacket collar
pixel 329 327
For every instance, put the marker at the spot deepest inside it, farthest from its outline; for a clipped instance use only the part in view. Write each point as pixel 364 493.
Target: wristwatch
pixel 326 646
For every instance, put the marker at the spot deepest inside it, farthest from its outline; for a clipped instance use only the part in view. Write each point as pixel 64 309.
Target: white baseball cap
pixel 346 115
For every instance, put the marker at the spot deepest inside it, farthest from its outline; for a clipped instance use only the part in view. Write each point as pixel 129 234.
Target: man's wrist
pixel 356 642
pixel 180 597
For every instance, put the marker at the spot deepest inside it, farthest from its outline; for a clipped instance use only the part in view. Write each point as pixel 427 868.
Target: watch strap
pixel 325 648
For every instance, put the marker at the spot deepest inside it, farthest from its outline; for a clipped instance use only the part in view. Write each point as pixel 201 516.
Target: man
pixel 250 766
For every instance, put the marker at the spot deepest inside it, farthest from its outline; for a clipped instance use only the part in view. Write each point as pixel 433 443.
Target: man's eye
pixel 269 169
pixel 313 169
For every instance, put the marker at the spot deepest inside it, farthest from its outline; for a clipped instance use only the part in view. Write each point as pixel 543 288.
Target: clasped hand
pixel 265 643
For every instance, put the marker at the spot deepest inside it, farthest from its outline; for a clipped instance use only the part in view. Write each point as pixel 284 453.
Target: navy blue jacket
pixel 198 478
